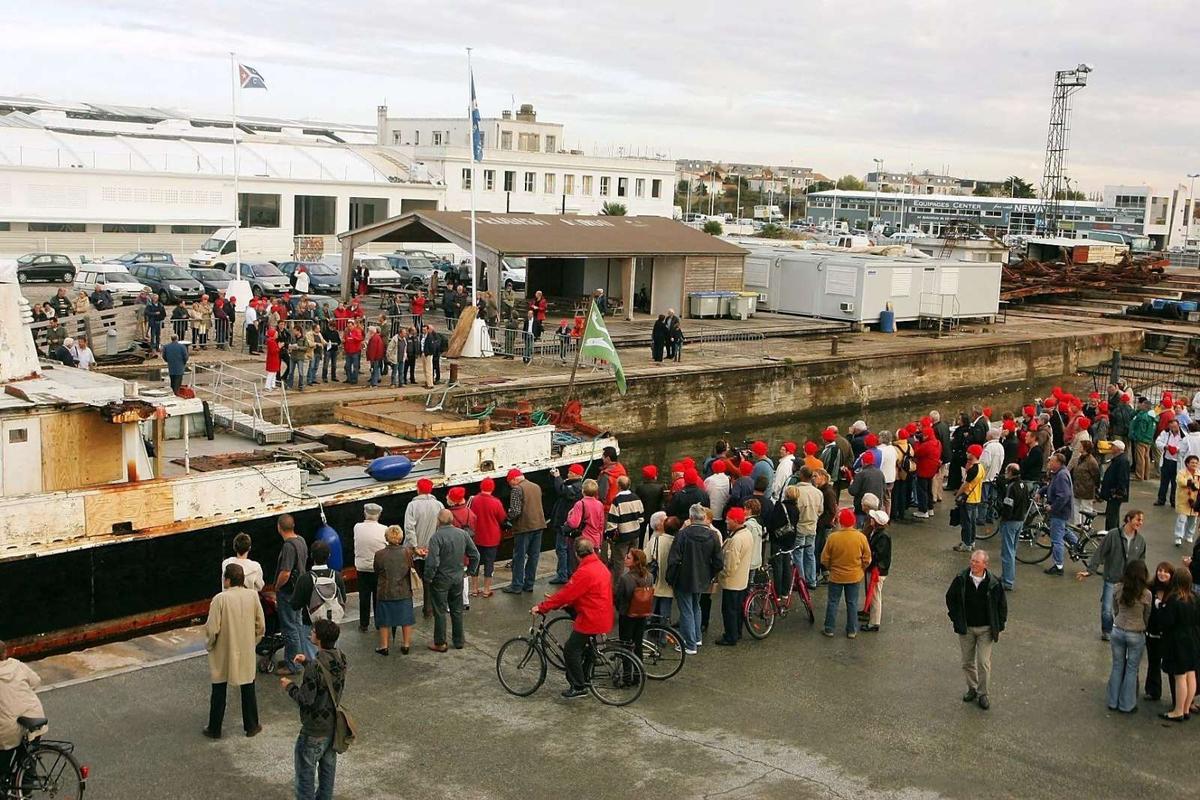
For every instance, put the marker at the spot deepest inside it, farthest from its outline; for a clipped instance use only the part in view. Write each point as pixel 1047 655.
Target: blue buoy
pixel 330 537
pixel 887 321
pixel 390 468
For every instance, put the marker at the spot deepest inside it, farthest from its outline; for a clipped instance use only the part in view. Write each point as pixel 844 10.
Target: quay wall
pixel 696 397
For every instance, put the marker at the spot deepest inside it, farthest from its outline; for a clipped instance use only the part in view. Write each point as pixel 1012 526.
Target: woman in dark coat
pixel 781 532
pixel 1181 643
pixel 1160 587
pixel 393 597
pixel 960 437
pixel 658 338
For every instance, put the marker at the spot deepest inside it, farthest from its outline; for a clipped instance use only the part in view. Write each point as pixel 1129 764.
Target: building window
pixel 126 228
pixel 395 137
pixel 258 210
pixel 437 138
pixel 548 187
pixel 367 211
pixel 489 180
pixel 622 187
pixel 529 142
pixel 656 188
pixel 530 181
pixel 639 187
pixel 466 178
pixel 551 144
pixel 506 140
pixel 568 184
pixel 315 215
pixel 57 227
pixel 416 137
pixel 510 178
pixel 187 229
pixel 587 186
pixel 604 181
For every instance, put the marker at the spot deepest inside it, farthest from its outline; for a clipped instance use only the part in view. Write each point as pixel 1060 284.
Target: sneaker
pixel 984 703
pixel 827 633
pixel 557 581
pixel 1054 570
pixel 961 548
pixel 571 694
pixel 690 651
pixel 511 590
pixel 868 628
pixel 1104 637
pixel 970 695
pixel 852 635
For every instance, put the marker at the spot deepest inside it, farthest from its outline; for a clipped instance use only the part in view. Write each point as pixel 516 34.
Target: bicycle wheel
pixel 662 652
pixel 520 666
pixel 806 598
pixel 557 631
pixel 50 771
pixel 1033 545
pixel 1089 543
pixel 760 614
pixel 618 677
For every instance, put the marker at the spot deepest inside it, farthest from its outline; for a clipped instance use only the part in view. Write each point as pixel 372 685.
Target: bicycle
pixel 662 646
pixel 42 768
pixel 763 603
pixel 614 676
pixel 1034 542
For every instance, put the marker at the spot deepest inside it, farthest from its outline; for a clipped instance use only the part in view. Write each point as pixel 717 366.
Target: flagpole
pixel 578 349
pixel 237 223
pixel 471 102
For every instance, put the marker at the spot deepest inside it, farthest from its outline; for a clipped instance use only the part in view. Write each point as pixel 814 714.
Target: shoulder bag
pixel 345 730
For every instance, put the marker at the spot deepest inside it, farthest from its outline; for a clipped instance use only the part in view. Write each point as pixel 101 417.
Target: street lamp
pixel 878 180
pixel 1191 205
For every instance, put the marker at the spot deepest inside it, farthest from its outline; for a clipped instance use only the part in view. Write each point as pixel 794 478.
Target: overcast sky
pixel 937 84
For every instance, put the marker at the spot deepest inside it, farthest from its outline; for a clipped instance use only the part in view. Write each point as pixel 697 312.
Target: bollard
pixel 454 373
pixel 833 345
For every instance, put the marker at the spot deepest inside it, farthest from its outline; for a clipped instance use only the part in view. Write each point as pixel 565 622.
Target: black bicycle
pixel 41 768
pixel 614 676
pixel 1034 542
pixel 662 646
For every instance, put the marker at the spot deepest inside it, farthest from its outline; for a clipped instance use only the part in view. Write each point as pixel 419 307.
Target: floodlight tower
pixel 1058 141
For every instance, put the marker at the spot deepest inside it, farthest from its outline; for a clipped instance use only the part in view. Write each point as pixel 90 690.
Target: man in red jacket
pixel 352 344
pixel 928 453
pixel 490 515
pixel 589 594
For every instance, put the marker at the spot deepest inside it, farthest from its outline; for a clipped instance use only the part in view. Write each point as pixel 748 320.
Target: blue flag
pixel 250 78
pixel 476 134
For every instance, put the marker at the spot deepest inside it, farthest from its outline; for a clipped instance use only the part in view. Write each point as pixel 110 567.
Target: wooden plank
pixel 139 505
pixel 65 436
pixel 407 420
pixel 462 331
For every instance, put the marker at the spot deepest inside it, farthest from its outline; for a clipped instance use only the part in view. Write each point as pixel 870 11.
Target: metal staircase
pixel 939 312
pixel 236 402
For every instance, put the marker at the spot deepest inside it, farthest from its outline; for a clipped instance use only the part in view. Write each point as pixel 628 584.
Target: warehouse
pixel 569 257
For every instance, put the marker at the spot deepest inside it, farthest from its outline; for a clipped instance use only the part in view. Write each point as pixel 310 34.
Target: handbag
pixel 957 512
pixel 653 565
pixel 641 605
pixel 345 730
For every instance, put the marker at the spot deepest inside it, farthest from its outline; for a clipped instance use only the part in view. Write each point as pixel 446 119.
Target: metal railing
pixel 238 392
pixel 1147 375
pixel 710 340
pixel 940 308
pixel 1190 258
pixel 513 343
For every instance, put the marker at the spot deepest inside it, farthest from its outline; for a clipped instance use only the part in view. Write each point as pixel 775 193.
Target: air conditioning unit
pixel 847 308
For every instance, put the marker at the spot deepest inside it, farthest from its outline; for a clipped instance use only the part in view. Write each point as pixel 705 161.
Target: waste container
pixel 742 307
pixel 752 298
pixel 727 300
pixel 704 304
pixel 887 321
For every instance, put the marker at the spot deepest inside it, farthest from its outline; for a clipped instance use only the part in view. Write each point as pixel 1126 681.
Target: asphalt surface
pixel 796 716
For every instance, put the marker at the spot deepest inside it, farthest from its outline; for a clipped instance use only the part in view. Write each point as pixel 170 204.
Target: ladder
pixel 236 403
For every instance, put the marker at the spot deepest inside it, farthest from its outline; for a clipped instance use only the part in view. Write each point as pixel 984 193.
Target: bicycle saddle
pixel 32 723
pixel 1089 515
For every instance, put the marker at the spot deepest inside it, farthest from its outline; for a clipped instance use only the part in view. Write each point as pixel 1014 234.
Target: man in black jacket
pixel 1114 486
pixel 941 429
pixel 1014 504
pixel 694 561
pixel 691 494
pixel 432 347
pixel 567 492
pixel 652 492
pixel 978 609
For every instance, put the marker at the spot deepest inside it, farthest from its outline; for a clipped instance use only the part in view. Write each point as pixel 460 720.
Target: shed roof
pixel 547 235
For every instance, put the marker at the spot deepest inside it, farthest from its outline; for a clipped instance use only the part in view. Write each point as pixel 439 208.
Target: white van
pixel 248 244
pixel 379 271
pixel 113 277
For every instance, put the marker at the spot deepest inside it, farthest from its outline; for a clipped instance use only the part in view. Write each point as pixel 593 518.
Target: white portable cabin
pixel 855 287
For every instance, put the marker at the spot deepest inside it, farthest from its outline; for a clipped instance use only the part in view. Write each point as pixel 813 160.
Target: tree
pixel 683 186
pixel 982 190
pixel 613 210
pixel 713 228
pixel 849 183
pixel 1018 187
pixel 771 231
pixel 819 186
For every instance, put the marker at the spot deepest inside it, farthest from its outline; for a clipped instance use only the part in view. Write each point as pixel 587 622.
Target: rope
pixel 540 417
pixel 487 412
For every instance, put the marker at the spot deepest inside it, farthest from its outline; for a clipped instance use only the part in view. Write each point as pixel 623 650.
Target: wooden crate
pixel 408 420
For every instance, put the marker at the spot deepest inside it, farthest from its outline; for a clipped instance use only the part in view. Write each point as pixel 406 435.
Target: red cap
pixel 456 495
pixel 649 472
pixel 1010 425
pixel 1050 402
pixel 1033 426
pixel 927 432
pixel 975 450
pixel 846 517
pixel 719 466
pixel 1094 396
pixel 810 448
pixel 1126 397
pixel 1085 423
pixel 688 461
pixel 424 486
pixel 902 433
pixel 735 514
pixel 513 474
pixel 789 448
pixel 1166 397
pixel 759 448
pixel 679 467
pixel 828 435
pixel 1057 391
pixel 1029 411
pixel 487 485
pixel 746 468
pixel 871 440
pixel 868 458
pixel 690 475
pixel 911 428
pixel 575 469
pixel 564 322
pixel 987 411
pixel 926 422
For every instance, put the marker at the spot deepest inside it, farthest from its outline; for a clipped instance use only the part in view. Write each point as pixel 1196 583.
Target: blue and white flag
pixel 476 134
pixel 250 78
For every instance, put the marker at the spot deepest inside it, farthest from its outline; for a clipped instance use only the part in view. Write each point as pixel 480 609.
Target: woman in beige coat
pixel 658 547
pixel 235 624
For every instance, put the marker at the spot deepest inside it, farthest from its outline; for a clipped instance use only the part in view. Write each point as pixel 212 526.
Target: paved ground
pixel 797 716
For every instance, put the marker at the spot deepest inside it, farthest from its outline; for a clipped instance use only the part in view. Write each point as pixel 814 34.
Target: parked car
pixel 512 273
pixel 439 261
pixel 171 282
pixel 44 267
pixel 213 280
pixel 116 279
pixel 265 278
pixel 413 270
pixel 141 257
pixel 380 271
pixel 322 278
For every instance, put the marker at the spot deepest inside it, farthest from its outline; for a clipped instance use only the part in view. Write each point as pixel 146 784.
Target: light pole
pixel 1191 205
pixel 878 179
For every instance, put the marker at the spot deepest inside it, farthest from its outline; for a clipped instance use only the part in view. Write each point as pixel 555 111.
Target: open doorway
pixel 643 284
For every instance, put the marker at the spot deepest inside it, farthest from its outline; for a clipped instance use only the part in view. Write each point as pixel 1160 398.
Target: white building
pixel 525 167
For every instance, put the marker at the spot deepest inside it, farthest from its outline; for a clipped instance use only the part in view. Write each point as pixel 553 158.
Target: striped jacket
pixel 625 517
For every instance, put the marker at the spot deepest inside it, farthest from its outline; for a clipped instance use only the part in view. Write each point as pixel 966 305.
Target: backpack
pixel 325 603
pixel 345 730
pixel 907 464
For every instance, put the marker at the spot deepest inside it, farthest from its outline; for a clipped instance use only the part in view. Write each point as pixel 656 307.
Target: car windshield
pixel 419 263
pixel 25 259
pixel 264 270
pixel 172 272
pixel 212 245
pixel 126 257
pixel 381 263
pixel 117 277
pixel 319 268
pixel 210 274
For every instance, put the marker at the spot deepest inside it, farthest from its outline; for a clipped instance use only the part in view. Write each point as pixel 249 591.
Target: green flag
pixel 598 344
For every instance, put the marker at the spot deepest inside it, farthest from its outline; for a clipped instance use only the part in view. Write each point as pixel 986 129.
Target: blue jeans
pixel 836 590
pixel 805 558
pixel 562 551
pixel 527 547
pixel 970 515
pixel 1127 648
pixel 294 631
pixel 1059 534
pixel 302 368
pixel 353 360
pixel 314 365
pixel 376 373
pixel 1009 531
pixel 689 618
pixel 989 513
pixel 398 374
pixel 1106 614
pixel 314 755
pixel 662 607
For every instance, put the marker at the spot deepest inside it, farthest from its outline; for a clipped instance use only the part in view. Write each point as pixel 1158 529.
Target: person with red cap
pixel 1168 444
pixel 812 458
pixel 589 594
pixel 834 458
pixel 867 480
pixel 743 486
pixel 420 521
pixel 611 468
pixel 567 493
pixel 691 494
pixel 677 481
pixel 652 492
pixel 904 489
pixel 847 555
pixel 490 518
pixel 464 519
pixel 734 576
pixel 717 487
pixel 928 453
pixel 969 497
pixel 763 468
pixel 528 520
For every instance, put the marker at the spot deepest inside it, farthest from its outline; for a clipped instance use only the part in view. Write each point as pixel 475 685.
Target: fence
pixel 1190 258
pixel 514 343
pixel 1147 375
pixel 95 325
